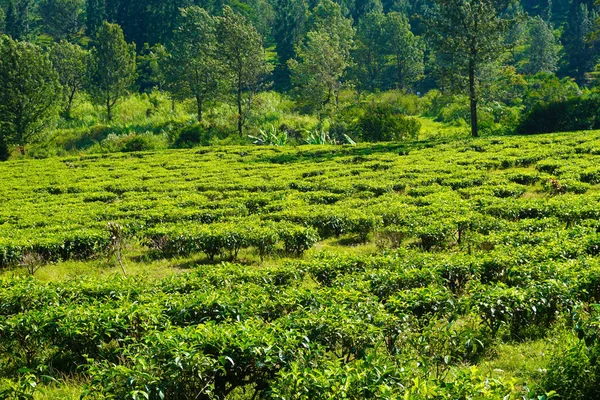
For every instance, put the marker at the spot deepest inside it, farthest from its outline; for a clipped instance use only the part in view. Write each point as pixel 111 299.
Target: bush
pixel 130 142
pixel 190 136
pixel 381 123
pixel 571 115
pixel 574 371
pixel 297 239
pixel 140 143
pixel 591 176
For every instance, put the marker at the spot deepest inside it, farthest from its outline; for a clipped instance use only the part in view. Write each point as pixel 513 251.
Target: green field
pixel 448 269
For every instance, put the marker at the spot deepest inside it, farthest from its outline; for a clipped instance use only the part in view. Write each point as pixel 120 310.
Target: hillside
pixel 423 270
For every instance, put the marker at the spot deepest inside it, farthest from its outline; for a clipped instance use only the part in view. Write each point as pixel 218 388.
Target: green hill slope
pixel 422 270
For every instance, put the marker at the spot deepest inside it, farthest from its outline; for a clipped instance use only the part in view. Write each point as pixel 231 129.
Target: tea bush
pixel 389 270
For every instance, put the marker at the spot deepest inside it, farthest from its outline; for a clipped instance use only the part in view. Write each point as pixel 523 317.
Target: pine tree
pixel 468 37
pixel 323 57
pixel 17 19
pixel 371 51
pixel 364 7
pixel 113 67
pixel 29 95
pixel 579 51
pixel 70 62
pixel 195 63
pixel 542 48
pixel 243 56
pixel 61 18
pixel 95 15
pixel 10 23
pixel 290 20
pixel 406 50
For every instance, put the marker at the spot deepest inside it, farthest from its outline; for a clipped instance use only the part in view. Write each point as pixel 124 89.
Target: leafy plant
pixel 270 137
pixel 322 137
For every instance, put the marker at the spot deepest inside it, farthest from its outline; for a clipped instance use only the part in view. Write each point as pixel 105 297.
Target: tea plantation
pixel 465 269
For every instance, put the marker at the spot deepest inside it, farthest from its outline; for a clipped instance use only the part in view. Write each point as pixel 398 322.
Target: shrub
pixel 509 191
pixel 423 303
pixel 381 123
pixel 574 372
pixel 591 176
pixel 190 136
pixel 297 239
pixel 130 142
pixel 264 239
pixel 143 142
pixel 555 187
pixel 524 178
pixel 525 312
pixel 436 235
pixel 570 115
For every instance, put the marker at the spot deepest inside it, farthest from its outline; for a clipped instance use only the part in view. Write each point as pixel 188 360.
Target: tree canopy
pixel 29 95
pixel 113 66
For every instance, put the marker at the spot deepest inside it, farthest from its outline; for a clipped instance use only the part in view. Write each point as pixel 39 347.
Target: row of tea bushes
pixel 229 327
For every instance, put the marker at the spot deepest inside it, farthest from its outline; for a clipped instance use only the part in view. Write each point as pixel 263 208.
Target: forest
pixel 108 75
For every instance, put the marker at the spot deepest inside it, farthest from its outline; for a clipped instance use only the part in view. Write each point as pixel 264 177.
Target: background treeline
pixel 133 75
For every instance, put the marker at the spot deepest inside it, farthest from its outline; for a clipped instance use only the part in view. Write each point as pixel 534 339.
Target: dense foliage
pixel 495 62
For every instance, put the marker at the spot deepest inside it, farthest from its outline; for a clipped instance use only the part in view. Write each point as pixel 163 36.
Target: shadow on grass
pixel 327 153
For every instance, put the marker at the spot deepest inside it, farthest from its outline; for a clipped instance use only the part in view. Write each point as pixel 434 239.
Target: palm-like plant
pixel 270 137
pixel 321 137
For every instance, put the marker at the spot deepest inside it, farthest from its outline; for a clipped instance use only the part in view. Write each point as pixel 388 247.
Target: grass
pixel 524 362
pixel 64 390
pixel 345 245
pixel 135 265
pixel 432 129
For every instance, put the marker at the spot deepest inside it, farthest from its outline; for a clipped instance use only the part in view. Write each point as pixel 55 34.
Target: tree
pixel 516 35
pixel 407 51
pixel 30 90
pixel 360 8
pixel 113 67
pixel 149 75
pixel 194 57
pixel 468 37
pixel 2 21
pixel 166 73
pixel 371 51
pixel 323 57
pixel 243 55
pixel 71 62
pixel 61 18
pixel 543 48
pixel 290 20
pixel 162 16
pixel 576 40
pixel 10 20
pixel 17 19
pixel 95 15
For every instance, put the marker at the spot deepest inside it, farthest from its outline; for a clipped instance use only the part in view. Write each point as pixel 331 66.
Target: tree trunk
pixel 3 149
pixel 398 71
pixel 108 110
pixel 473 98
pixel 199 104
pixel 239 104
pixel 70 103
